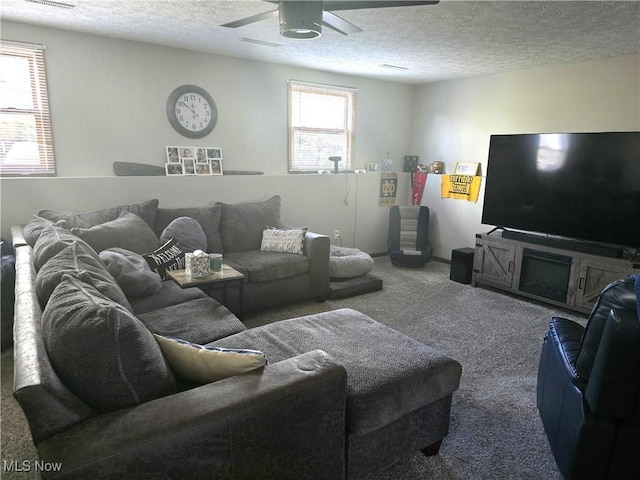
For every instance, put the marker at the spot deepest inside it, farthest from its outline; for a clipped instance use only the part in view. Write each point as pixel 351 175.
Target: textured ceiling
pixel 435 42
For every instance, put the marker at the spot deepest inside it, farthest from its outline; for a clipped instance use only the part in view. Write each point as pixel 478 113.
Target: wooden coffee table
pixel 221 279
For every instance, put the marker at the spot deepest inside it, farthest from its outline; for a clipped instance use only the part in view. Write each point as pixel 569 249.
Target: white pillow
pixel 200 364
pixel 283 240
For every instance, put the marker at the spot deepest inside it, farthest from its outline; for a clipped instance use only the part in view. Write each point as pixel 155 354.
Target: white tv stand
pixel 558 276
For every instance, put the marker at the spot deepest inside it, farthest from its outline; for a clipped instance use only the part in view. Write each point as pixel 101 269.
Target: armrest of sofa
pixel 17 236
pixel 316 247
pixel 47 403
pixel 285 421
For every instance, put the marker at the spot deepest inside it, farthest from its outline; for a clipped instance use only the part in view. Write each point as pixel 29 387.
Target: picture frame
pixel 173 155
pixel 186 153
pixel 174 168
pixel 216 166
pixel 214 153
pixel 193 160
pixel 467 168
pixel 201 155
pixel 410 163
pixel 189 166
pixel 203 168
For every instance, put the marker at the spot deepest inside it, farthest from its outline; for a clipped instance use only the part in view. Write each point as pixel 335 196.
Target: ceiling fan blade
pixel 360 4
pixel 338 24
pixel 252 19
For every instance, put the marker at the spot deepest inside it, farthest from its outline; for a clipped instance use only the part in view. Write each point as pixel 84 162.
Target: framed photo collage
pixel 193 161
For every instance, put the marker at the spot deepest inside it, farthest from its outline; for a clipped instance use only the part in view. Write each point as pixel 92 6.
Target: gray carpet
pixel 495 429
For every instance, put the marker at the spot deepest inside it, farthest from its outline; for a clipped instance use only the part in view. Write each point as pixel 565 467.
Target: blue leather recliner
pixel 588 391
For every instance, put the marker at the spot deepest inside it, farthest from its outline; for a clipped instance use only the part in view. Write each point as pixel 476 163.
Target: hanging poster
pixel 462 187
pixel 419 181
pixel 388 188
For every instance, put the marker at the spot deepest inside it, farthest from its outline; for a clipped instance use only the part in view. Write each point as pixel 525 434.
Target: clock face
pixel 191 111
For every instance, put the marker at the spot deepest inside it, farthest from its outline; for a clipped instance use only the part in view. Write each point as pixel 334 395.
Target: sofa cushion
pixel 241 225
pixel 170 293
pixel 199 320
pixel 52 240
pixel 207 217
pixel 388 373
pixel 36 225
pixel 145 210
pixel 283 240
pixel 168 256
pixel 75 260
pixel 259 266
pixel 101 351
pixel 195 363
pixel 187 232
pixel 131 271
pixel 128 231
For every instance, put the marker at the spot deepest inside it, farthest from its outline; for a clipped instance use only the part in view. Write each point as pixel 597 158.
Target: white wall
pixel 108 104
pixel 108 100
pixel 322 203
pixel 453 122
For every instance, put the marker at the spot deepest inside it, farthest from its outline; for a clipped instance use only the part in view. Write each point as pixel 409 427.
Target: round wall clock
pixel 191 111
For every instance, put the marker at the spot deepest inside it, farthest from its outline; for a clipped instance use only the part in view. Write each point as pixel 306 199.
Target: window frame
pixel 300 164
pixel 38 111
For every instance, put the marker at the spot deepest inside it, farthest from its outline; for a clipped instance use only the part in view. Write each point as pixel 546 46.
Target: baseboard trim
pixel 440 259
pixel 386 254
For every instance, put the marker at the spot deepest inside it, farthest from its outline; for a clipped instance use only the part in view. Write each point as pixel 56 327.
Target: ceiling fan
pixel 303 19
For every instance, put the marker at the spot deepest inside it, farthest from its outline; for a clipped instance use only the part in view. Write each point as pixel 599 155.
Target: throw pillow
pixel 188 233
pixel 52 240
pixel 207 217
pixel 132 272
pixel 128 231
pixel 169 256
pixel 101 352
pixel 36 226
pixel 283 240
pixel 146 211
pixel 241 225
pixel 196 363
pixel 75 260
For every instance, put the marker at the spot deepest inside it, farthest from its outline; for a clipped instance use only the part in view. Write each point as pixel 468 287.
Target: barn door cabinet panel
pixel 594 275
pixel 494 262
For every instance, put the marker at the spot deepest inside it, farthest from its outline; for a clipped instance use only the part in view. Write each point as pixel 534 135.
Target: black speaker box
pixel 461 265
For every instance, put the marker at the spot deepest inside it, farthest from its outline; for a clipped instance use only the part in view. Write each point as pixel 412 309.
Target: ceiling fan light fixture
pixel 301 20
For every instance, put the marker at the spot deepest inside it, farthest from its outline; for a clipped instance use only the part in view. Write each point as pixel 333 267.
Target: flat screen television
pixel 584 186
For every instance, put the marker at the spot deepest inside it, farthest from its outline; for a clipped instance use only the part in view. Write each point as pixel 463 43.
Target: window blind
pixel 321 121
pixel 26 143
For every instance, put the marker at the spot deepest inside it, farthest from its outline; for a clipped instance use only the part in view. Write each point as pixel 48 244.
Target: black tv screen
pixel 580 185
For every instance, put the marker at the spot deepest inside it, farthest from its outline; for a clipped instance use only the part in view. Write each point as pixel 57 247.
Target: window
pixel 322 121
pixel 26 146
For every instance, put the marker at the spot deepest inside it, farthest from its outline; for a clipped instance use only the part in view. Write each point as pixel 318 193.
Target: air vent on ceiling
pixel 393 67
pixel 51 3
pixel 259 42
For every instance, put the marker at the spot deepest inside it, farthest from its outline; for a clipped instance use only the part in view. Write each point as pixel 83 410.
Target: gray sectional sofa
pixel 272 278
pixel 104 350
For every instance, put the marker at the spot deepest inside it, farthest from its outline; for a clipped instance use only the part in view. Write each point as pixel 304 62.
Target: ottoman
pixel 348 262
pixel 349 271
pixel 398 389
